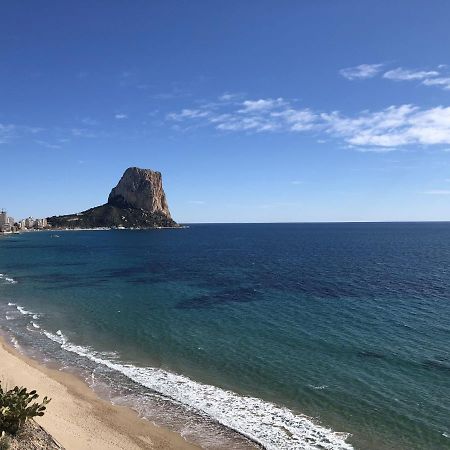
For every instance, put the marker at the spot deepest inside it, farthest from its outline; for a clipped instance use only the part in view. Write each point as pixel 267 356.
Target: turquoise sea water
pixel 290 334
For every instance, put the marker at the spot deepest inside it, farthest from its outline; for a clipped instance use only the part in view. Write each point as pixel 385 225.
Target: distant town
pixel 10 225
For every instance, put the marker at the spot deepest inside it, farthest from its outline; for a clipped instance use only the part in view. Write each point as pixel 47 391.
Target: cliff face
pixel 138 201
pixel 140 189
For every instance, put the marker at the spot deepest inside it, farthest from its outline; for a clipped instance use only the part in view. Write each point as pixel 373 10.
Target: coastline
pixel 76 417
pixel 92 229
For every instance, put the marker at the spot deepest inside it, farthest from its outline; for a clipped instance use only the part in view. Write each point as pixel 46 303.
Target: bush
pixel 16 408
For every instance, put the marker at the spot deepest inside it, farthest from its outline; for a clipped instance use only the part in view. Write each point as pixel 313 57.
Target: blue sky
pixel 254 111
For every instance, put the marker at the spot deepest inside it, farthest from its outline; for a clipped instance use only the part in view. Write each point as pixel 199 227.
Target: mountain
pixel 138 201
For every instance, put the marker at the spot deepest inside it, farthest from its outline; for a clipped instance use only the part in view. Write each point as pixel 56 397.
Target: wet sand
pixel 76 417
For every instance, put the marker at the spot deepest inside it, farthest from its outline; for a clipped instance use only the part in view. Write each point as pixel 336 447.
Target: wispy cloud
pixel 432 77
pixel 50 137
pixel 401 74
pixel 250 115
pixel 361 72
pixel 7 132
pixel 10 132
pixel 49 145
pixel 227 96
pixel 443 82
pixel 84 133
pixel 89 121
pixel 196 202
pixel 377 131
pixel 189 114
pixel 120 116
pixel 394 126
pixel 261 105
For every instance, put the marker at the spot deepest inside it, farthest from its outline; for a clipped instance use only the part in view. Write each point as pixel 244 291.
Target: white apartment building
pixel 29 222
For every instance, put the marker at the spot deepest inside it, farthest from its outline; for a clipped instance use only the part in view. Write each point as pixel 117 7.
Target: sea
pixel 240 336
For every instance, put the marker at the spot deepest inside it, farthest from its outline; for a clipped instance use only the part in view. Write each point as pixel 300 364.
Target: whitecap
pixel 23 311
pixel 7 279
pixel 272 426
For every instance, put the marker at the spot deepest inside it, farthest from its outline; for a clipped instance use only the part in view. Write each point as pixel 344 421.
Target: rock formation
pixel 140 189
pixel 138 201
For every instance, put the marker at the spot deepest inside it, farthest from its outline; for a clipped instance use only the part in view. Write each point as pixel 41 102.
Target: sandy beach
pixel 76 417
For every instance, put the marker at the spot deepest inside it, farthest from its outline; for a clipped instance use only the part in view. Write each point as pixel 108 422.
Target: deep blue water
pixel 348 324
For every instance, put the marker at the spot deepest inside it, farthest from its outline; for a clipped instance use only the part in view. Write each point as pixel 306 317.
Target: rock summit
pixel 138 201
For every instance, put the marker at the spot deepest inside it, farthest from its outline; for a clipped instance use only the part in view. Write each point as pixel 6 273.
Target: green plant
pixel 16 408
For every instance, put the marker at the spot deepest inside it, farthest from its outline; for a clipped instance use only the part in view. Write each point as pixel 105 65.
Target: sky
pixel 254 111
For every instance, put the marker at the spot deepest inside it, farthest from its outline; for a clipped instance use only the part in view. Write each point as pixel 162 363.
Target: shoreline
pixel 181 227
pixel 261 419
pixel 77 417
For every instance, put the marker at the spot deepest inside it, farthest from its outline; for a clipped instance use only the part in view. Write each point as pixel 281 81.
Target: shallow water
pixel 280 331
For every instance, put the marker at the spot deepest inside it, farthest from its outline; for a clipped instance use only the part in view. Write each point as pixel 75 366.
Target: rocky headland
pixel 138 201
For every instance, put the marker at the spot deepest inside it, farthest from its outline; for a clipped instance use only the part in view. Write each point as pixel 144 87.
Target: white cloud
pixel 120 116
pixel 297 120
pixel 426 77
pixel 296 182
pixel 444 82
pixel 401 74
pixel 261 105
pixel 189 114
pixel 7 132
pixel 265 114
pixel 393 127
pixel 196 202
pixel 227 97
pixel 368 131
pixel 10 132
pixel 433 77
pixel 361 72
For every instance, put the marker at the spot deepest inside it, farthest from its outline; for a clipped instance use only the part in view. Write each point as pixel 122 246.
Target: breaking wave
pixel 272 426
pixel 7 279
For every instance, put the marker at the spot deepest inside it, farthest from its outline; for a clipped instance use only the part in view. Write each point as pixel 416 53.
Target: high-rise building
pixel 29 222
pixel 3 217
pixel 40 223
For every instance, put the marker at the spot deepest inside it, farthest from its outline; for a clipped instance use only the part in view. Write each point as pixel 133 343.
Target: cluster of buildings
pixel 9 225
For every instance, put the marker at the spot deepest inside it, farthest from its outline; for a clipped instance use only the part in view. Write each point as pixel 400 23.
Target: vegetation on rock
pixel 138 201
pixel 17 405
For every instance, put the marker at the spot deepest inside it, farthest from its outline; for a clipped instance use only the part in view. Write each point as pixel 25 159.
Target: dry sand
pixel 77 417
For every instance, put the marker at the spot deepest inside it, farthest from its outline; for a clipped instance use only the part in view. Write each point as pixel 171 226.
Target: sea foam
pixel 23 311
pixel 7 279
pixel 272 426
